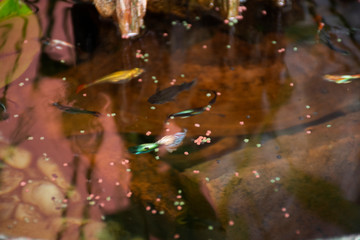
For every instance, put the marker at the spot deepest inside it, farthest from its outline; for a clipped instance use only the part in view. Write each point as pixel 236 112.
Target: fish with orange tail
pixel 116 77
pixel 341 79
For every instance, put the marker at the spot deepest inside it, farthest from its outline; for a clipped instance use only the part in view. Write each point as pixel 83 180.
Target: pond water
pixel 275 155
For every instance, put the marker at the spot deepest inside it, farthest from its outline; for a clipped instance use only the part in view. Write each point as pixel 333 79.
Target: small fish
pixel 3 112
pixel 194 111
pixel 168 94
pixel 74 110
pixel 116 77
pixel 170 142
pixel 341 79
pixel 143 148
pixel 56 43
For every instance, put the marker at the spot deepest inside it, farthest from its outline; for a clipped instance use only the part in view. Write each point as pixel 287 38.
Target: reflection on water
pixel 262 147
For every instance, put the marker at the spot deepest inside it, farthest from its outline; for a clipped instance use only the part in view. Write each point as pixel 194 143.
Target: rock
pixel 15 156
pixel 7 207
pixel 9 180
pixel 279 189
pixel 26 212
pixel 45 195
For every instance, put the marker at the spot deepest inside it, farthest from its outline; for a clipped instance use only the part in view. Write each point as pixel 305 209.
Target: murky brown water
pixel 281 160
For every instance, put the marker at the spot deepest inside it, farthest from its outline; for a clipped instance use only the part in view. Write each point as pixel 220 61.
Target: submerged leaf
pixel 12 8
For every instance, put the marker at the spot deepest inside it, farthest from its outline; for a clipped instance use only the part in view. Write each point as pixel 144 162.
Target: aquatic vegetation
pixel 12 8
pixel 123 76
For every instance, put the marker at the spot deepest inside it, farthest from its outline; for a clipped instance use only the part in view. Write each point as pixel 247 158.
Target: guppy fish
pixel 341 79
pixel 116 77
pixel 168 94
pixel 170 142
pixel 56 43
pixel 3 112
pixel 74 110
pixel 194 111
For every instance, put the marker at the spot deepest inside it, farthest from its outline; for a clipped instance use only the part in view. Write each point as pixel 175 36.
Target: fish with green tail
pixel 194 111
pixel 341 79
pixel 116 77
pixel 169 94
pixel 170 142
pixel 74 110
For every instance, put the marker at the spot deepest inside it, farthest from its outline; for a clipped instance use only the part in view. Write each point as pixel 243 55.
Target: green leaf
pixel 12 8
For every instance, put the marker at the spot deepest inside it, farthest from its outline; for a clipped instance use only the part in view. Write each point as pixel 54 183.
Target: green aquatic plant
pixel 13 8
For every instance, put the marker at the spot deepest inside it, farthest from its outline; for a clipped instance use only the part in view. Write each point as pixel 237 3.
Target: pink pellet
pixel 204 46
pixel 283 209
pixel 65 164
pixel 179 208
pixel 139 80
pixel 231 223
pixel 291 84
pixel 153 211
pixel 236 174
pixel 148 133
pixel 286 215
pixel 241 123
pixel 196 171
pixel 264 12
pixel 23 183
pixel 165 34
pixel 148 208
pixel 129 194
pixel 186 153
pixel 197 125
pixel 100 180
pixel 226 21
pixel 281 50
pixel 176 236
pixel 208 132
